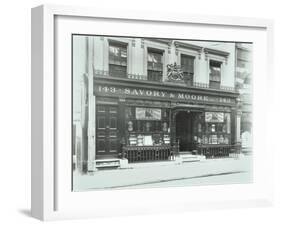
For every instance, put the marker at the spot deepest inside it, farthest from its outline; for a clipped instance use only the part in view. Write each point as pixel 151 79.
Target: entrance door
pixel 184 130
pixel 106 131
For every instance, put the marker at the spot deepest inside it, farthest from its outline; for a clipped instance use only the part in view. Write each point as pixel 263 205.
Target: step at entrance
pixel 107 163
pixel 188 157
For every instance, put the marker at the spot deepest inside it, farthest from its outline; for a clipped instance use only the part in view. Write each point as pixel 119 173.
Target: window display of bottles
pixel 147 126
pixel 152 127
pixel 212 128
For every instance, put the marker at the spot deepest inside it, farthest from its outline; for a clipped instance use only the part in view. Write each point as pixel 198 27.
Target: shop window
pixel 147 126
pixel 187 65
pixel 154 65
pixel 215 74
pixel 212 128
pixel 118 60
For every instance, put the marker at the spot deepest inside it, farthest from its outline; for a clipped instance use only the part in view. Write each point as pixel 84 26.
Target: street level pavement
pixel 145 175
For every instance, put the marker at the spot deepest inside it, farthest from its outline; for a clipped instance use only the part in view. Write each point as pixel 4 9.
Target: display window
pixel 147 126
pixel 212 128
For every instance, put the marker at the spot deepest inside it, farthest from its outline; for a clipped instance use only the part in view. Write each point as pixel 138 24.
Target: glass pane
pixel 154 75
pixel 117 71
pixel 118 55
pixel 128 112
pixel 214 84
pixel 114 51
pixel 215 70
pixel 124 52
pixel 227 121
pixel 187 63
pixel 154 57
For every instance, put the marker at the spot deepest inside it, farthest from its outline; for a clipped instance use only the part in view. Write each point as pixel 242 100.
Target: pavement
pixel 163 174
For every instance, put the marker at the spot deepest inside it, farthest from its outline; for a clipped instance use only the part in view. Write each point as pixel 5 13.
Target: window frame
pixel 212 82
pixel 120 45
pixel 155 51
pixel 188 73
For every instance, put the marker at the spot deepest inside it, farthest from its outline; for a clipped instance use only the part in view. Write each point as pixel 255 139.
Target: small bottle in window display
pixel 221 139
pixel 213 128
pixel 165 115
pixel 199 127
pixel 226 141
pixel 147 126
pixel 165 127
pixel 195 138
pixel 210 139
pixel 224 128
pixel 130 126
pixel 206 141
pixel 128 113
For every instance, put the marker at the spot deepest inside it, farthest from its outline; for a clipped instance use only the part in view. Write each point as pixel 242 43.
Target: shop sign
pixel 214 116
pixel 149 93
pixel 148 113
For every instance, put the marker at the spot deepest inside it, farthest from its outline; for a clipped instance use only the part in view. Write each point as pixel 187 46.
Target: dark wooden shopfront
pixel 107 140
pixel 181 108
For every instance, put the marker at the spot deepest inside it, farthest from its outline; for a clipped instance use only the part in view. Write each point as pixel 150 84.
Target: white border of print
pixel 51 169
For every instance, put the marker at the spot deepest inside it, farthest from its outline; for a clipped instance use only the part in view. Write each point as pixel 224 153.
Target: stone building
pixel 244 87
pixel 144 99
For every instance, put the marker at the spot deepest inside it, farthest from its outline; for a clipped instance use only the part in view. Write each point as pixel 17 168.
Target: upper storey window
pixel 187 65
pixel 215 74
pixel 154 65
pixel 118 60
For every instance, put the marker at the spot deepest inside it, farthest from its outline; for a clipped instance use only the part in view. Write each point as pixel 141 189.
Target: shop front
pixel 143 121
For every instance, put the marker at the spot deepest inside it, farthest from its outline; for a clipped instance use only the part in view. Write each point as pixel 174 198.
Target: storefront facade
pixel 138 116
pixel 151 100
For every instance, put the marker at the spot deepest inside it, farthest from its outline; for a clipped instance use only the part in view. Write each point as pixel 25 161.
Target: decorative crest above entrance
pixel 175 72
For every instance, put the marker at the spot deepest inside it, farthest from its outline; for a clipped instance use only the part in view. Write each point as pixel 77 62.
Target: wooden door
pixel 184 130
pixel 107 131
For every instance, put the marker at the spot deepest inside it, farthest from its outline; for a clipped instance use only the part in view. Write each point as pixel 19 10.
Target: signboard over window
pixel 148 113
pixel 214 116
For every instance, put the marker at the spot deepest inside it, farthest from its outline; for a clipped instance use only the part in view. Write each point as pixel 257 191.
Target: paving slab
pixel 150 173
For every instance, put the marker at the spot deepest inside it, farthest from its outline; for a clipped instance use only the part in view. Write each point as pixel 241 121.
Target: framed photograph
pixel 136 113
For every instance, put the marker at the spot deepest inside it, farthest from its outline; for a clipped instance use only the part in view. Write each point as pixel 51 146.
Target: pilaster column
pixel 121 124
pixel 91 164
pixel 238 126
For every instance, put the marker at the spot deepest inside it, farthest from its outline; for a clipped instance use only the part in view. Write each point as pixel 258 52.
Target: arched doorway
pixel 184 125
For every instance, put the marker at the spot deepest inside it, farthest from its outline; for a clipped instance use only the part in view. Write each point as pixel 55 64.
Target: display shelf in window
pixel 212 128
pixel 145 122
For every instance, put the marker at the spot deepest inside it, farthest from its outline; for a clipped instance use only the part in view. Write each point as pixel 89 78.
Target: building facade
pixel 244 87
pixel 138 100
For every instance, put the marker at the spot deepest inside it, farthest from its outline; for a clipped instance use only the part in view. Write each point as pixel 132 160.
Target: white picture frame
pixel 51 196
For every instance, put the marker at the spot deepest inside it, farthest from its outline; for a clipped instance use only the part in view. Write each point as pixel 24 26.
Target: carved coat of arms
pixel 175 72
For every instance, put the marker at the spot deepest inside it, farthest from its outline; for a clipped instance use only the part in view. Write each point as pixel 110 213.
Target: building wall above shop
pixel 172 50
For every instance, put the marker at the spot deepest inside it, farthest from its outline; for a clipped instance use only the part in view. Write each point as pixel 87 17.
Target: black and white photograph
pixel 158 112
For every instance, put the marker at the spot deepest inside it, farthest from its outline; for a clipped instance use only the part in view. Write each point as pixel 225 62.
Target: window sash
pixel 215 74
pixel 155 61
pixel 154 66
pixel 117 55
pixel 117 70
pixel 154 75
pixel 187 63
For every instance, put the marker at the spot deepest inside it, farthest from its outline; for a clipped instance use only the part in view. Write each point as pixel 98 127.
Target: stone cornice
pixel 163 41
pixel 216 52
pixel 188 46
